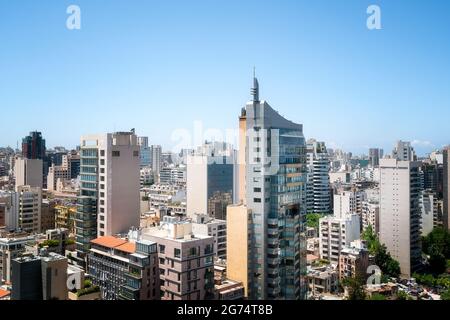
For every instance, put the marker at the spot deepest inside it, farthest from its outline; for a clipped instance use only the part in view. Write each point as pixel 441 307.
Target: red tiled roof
pixel 4 293
pixel 109 241
pixel 127 247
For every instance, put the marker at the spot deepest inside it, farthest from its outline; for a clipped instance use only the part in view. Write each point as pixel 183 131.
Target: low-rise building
pixel 124 269
pixel 322 279
pixel 186 260
pixel 353 262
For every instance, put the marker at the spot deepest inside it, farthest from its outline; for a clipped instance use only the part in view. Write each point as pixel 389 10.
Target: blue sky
pixel 158 66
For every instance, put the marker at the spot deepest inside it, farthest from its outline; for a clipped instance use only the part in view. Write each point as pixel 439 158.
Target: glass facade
pixel 86 216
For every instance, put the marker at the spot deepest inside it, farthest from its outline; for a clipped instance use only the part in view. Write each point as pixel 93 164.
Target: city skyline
pixel 351 87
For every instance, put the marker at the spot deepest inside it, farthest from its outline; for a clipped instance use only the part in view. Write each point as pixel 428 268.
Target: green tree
pixel 437 261
pixel 355 288
pixel 402 295
pixel 437 240
pixel 312 220
pixel 445 295
pixel 383 259
pixel 377 296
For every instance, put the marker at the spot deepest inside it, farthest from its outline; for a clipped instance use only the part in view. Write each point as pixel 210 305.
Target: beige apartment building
pixel 186 260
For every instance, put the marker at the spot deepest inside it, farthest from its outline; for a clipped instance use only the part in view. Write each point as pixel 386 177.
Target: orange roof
pixel 109 241
pixel 127 247
pixel 4 293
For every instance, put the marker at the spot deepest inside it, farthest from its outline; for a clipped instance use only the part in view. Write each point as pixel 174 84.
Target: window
pixel 135 153
pixel 177 253
pixel 256 189
pixel 102 226
pixel 102 210
pixel 102 178
pixel 162 248
pixel 102 162
pixel 102 170
pixel 116 153
pixel 257 200
pixel 102 153
pixel 102 233
pixel 102 218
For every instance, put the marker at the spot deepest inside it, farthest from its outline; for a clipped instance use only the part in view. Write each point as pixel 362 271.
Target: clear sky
pixel 159 66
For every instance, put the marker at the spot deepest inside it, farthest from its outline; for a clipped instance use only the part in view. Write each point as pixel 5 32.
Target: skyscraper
pixel 446 191
pixel 33 146
pixel 210 180
pixel 275 178
pixel 403 151
pixel 156 161
pixel 318 196
pixel 145 151
pixel 374 157
pixel 108 202
pixel 400 212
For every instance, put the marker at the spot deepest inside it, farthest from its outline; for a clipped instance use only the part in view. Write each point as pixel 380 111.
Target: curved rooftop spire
pixel 255 90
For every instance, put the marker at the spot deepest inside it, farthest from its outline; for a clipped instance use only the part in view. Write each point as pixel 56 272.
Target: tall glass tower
pixel 276 196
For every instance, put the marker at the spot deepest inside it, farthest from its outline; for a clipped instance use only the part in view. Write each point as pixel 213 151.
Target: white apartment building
pixel 370 215
pixel 400 212
pixel 429 211
pixel 318 195
pixel 204 225
pixel 403 151
pixel 348 202
pixel 29 206
pixel 336 233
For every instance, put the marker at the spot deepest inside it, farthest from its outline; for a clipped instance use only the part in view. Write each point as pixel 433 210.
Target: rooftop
pixel 109 241
pixel 4 293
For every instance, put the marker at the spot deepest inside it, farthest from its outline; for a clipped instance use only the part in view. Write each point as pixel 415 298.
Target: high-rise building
pixel 210 180
pixel 400 212
pixel 29 208
pixel 348 202
pixel 275 179
pixel 144 152
pixel 33 146
pixel 108 201
pixel 318 196
pixel 370 215
pixel 433 177
pixel 446 189
pixel 238 245
pixel 335 233
pixel 28 172
pixel 155 152
pixel 429 212
pixel 403 151
pixel 374 157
